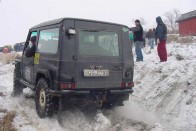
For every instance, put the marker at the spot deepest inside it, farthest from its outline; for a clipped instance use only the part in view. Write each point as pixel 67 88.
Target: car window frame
pixel 27 40
pixel 60 37
pixel 48 28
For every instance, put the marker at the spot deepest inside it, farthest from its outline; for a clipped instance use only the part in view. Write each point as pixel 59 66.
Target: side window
pixel 48 41
pixel 34 33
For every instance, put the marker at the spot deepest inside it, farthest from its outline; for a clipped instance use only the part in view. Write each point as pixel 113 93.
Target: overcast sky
pixel 17 16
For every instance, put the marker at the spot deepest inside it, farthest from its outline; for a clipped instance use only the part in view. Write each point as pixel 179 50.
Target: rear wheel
pixel 17 86
pixel 109 104
pixel 113 101
pixel 46 104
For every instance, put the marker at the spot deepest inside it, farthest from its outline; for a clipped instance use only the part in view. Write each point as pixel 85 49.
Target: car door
pixel 28 62
pixel 99 53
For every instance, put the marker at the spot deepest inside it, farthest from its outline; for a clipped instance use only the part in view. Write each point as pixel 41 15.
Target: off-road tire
pixel 46 105
pixel 17 86
pixel 108 105
pixel 114 102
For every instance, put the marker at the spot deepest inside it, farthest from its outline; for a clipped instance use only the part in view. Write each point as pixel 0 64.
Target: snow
pixel 168 89
pixel 164 99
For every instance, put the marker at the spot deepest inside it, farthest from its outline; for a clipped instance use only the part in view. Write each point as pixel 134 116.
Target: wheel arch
pixel 44 74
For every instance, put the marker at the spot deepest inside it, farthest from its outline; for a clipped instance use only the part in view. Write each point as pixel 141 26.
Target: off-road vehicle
pixel 76 62
pixel 18 47
pixel 1 49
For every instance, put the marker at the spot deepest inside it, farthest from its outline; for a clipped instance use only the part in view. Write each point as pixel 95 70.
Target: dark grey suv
pixel 76 62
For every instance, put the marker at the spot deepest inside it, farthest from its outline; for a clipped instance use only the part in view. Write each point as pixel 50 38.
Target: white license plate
pixel 96 73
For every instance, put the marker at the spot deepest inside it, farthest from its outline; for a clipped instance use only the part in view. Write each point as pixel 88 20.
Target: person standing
pixel 161 35
pixel 151 38
pixel 138 40
pixel 154 30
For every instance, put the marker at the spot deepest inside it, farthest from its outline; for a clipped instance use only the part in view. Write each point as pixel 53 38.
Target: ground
pixel 164 100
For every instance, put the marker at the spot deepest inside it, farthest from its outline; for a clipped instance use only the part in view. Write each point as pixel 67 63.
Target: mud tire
pixel 17 86
pixel 46 105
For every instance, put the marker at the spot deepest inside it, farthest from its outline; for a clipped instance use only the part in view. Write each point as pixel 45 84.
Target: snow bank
pixel 169 89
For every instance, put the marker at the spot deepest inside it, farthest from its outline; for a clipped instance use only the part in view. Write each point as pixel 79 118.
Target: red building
pixel 187 24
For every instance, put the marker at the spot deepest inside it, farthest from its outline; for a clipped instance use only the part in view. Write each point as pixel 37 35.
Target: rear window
pixel 98 43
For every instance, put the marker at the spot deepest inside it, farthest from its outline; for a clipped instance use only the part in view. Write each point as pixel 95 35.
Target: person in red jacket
pixel 161 35
pixel 5 50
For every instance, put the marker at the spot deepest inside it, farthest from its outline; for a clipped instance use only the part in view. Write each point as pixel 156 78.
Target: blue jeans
pixel 138 50
pixel 151 43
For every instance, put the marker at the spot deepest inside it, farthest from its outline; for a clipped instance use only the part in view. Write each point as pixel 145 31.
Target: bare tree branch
pixel 142 21
pixel 177 13
pixel 170 19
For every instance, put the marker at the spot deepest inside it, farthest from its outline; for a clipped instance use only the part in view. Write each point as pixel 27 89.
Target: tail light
pixel 73 86
pixel 127 84
pixel 64 86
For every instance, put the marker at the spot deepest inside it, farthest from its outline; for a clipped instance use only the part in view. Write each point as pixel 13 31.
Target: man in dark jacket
pixel 154 30
pixel 161 35
pixel 151 38
pixel 138 40
pixel 30 51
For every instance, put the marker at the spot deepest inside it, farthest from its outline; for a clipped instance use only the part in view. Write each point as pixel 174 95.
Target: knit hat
pixel 137 21
pixel 33 39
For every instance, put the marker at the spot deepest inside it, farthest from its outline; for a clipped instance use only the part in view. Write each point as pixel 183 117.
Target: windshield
pixel 98 43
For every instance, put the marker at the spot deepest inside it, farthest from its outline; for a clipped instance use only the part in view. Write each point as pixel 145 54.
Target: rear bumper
pixel 88 92
pixel 124 91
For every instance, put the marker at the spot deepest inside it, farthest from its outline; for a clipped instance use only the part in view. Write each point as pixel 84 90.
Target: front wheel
pixel 45 103
pixel 17 86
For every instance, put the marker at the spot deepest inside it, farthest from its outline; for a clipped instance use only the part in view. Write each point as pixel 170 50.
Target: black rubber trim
pixel 124 91
pixel 68 92
pixel 80 92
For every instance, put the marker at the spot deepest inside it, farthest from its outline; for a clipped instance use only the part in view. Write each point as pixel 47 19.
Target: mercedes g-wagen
pixel 76 61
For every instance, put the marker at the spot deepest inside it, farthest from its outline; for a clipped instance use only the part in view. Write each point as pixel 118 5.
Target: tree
pixel 170 19
pixel 142 21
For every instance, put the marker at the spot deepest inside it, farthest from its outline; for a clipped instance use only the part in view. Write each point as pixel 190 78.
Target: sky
pixel 18 16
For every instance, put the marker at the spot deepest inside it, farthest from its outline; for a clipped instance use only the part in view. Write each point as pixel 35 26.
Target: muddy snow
pixel 164 99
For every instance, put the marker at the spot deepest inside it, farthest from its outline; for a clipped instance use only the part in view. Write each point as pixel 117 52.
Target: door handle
pixel 31 63
pixel 117 68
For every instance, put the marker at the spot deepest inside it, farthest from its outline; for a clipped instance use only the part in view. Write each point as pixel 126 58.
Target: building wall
pixel 187 27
